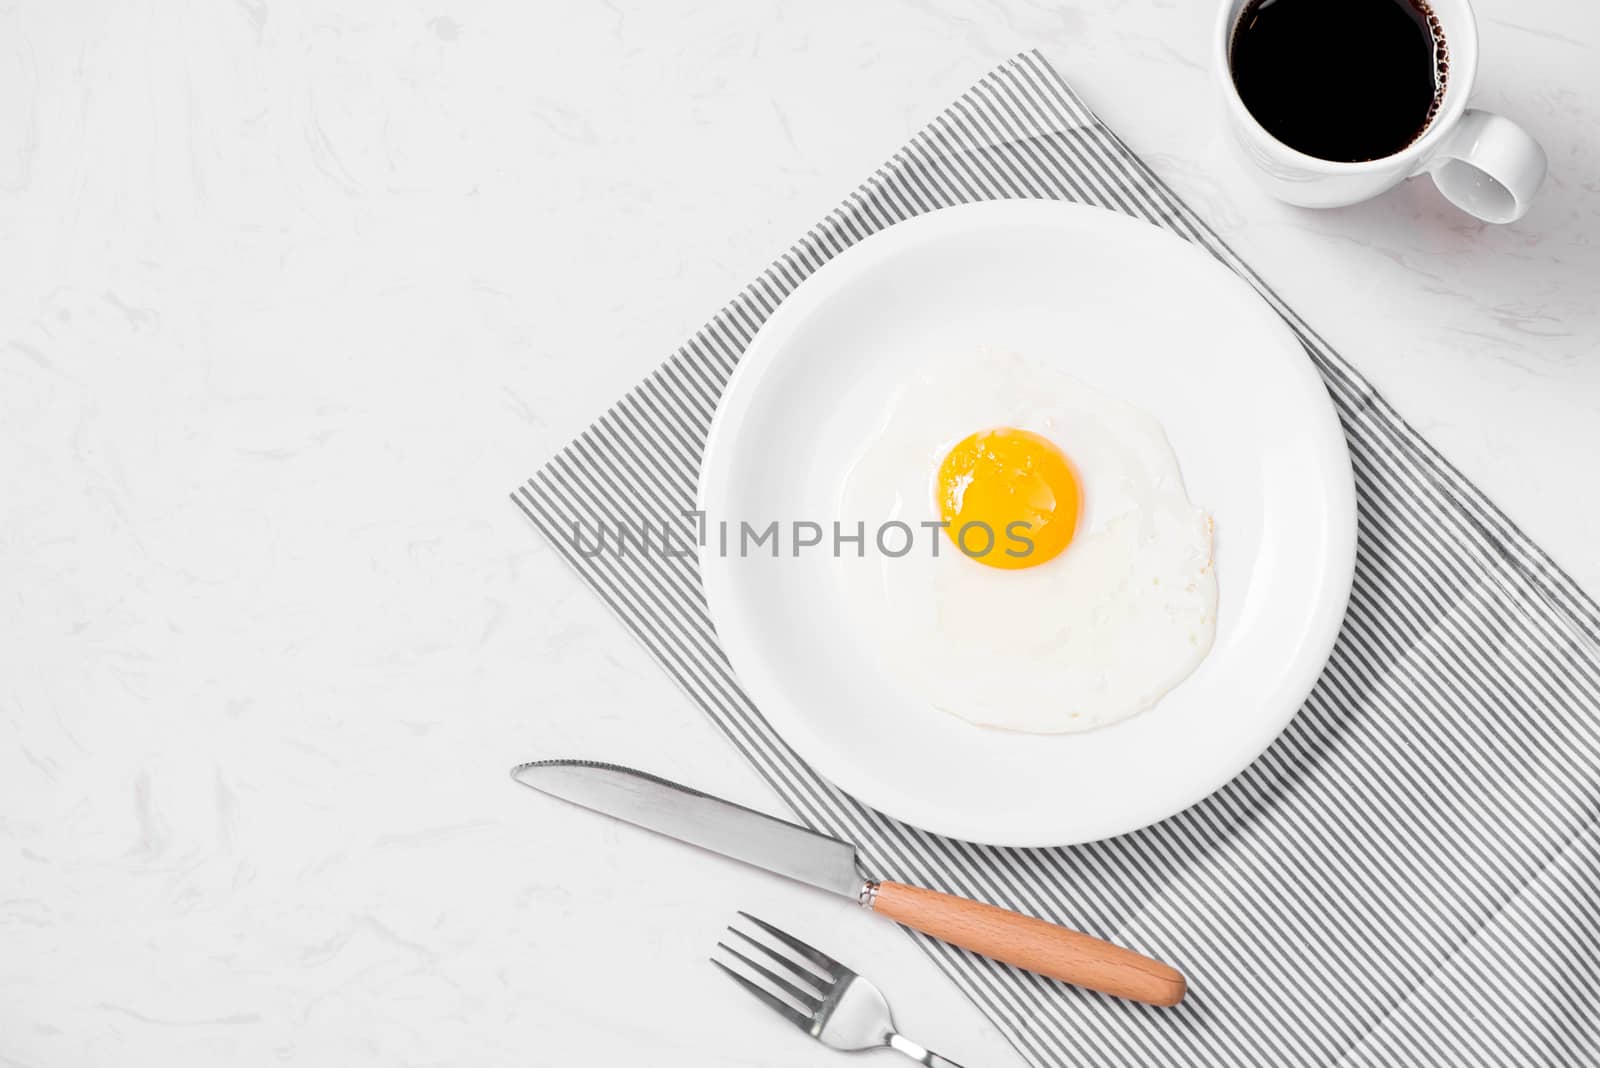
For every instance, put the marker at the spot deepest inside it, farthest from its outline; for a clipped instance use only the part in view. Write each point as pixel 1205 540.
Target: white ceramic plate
pixel 1133 312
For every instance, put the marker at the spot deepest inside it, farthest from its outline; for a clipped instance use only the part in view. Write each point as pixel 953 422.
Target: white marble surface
pixel 293 293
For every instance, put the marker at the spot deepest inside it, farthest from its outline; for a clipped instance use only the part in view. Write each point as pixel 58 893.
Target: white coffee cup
pixel 1483 163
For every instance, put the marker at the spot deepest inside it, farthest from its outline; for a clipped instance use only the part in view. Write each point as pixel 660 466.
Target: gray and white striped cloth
pixel 1406 877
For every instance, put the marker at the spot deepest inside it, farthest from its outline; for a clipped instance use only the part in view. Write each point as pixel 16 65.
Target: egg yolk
pixel 995 479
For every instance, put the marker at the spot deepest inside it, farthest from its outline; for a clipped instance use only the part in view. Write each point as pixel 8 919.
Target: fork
pixel 840 1009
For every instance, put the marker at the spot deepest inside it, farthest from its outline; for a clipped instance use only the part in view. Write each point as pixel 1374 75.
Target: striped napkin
pixel 1408 876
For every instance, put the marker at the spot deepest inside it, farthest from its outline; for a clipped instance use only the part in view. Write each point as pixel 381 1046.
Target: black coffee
pixel 1343 80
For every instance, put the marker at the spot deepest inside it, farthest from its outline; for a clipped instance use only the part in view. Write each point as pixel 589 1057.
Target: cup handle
pixel 1489 167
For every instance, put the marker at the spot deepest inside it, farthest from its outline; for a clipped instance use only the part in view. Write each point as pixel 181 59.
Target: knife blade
pixel 829 863
pixel 711 823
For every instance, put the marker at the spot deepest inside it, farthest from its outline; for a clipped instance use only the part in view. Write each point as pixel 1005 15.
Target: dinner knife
pixel 828 863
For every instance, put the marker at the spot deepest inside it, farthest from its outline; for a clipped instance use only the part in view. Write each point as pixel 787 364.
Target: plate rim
pixel 717 581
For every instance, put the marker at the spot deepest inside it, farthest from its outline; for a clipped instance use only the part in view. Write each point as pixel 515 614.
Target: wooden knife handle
pixel 1029 943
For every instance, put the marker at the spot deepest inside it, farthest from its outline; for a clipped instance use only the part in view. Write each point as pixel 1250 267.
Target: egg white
pixel 1091 637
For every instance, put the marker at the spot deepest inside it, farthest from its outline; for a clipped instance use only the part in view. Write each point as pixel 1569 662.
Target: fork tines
pixel 809 974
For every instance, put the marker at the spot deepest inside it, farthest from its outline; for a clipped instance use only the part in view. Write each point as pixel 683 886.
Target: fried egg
pixel 1057 578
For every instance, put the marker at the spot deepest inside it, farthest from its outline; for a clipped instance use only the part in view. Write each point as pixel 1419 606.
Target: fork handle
pixel 1028 943
pixel 921 1054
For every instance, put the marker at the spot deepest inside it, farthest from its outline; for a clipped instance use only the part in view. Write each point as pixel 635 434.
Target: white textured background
pixel 293 293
